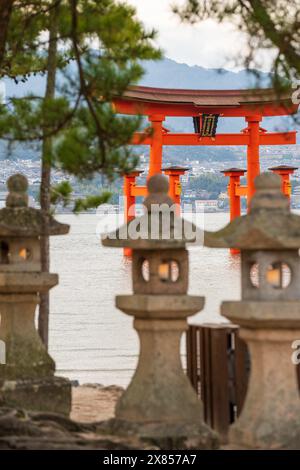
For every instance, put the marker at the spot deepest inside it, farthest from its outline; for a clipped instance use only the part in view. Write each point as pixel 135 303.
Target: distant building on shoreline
pixel 206 205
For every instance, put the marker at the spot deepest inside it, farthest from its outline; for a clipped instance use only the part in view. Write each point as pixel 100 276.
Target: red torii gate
pixel 159 103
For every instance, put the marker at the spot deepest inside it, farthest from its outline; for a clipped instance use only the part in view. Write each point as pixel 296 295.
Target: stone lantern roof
pixel 159 227
pixel 269 224
pixel 19 220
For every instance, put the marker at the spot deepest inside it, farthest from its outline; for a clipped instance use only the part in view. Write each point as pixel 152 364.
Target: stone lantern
pixel 268 315
pixel 160 402
pixel 27 377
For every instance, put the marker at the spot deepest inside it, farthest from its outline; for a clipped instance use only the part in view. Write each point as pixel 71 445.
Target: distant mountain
pixel 167 73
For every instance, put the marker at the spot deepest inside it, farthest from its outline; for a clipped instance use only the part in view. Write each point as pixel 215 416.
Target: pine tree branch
pixel 44 134
pixel 280 39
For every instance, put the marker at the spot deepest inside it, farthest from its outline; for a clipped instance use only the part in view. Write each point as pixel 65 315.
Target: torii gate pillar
pixel 156 147
pixel 129 199
pixel 285 171
pixel 174 173
pixel 253 168
pixel 235 192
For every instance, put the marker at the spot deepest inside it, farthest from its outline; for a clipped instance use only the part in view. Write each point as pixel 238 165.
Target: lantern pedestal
pixel 270 418
pixel 160 403
pixel 27 378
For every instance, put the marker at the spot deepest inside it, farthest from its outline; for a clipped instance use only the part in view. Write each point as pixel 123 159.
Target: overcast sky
pixel 208 44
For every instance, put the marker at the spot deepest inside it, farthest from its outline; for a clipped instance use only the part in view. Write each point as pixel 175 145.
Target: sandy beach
pixel 94 402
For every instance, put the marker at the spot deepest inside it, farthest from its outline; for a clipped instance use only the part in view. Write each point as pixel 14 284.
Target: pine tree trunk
pixel 43 322
pixel 5 14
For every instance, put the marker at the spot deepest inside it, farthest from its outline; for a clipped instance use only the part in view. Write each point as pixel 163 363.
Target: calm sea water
pixel 91 340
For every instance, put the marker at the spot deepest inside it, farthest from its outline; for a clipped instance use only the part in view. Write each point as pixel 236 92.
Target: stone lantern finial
pixel 17 186
pixel 158 187
pixel 268 194
pixel 267 181
pixel 158 184
pixel 268 315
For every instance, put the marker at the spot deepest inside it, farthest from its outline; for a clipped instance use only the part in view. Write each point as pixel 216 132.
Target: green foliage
pixel 91 202
pixel 61 193
pixel 209 182
pixel 24 50
pixel 31 118
pixel 81 152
